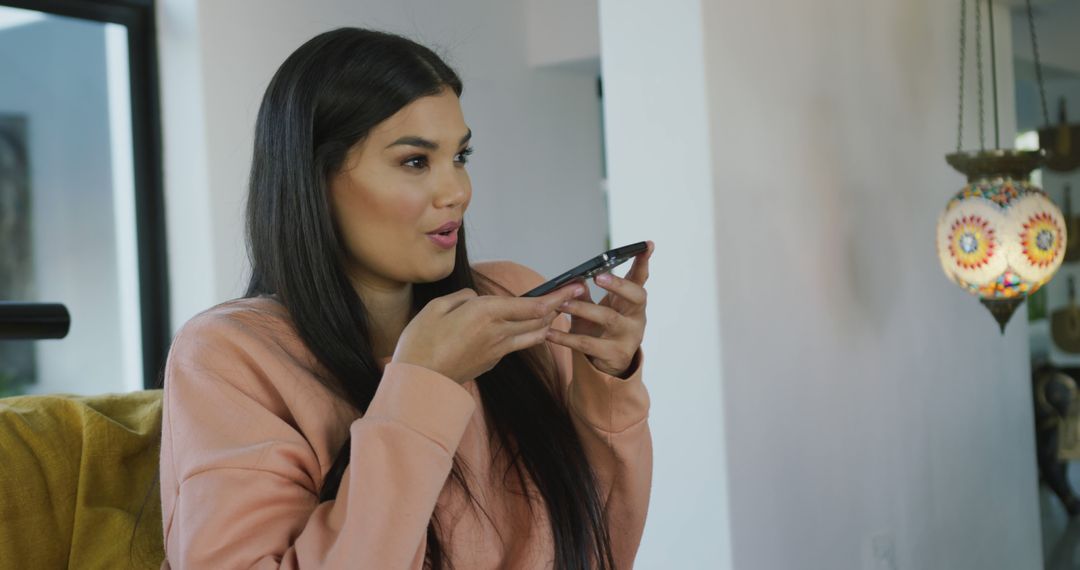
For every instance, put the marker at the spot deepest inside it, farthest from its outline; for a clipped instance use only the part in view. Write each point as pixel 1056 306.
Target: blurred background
pixel 823 397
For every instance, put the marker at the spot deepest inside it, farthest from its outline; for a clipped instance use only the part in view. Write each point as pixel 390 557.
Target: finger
pixel 604 316
pixel 625 288
pixel 526 308
pixel 639 272
pixel 514 328
pixel 590 345
pixel 565 293
pixel 561 295
pixel 456 299
pixel 586 295
pixel 572 289
pixel 523 340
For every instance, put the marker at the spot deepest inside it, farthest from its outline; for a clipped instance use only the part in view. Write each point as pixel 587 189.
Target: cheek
pixel 378 203
pixel 400 219
pixel 380 220
pixel 407 209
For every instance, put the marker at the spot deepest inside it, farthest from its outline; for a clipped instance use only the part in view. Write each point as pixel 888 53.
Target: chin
pixel 448 269
pixel 440 271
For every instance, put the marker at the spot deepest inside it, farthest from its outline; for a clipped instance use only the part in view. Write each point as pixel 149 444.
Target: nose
pixel 453 191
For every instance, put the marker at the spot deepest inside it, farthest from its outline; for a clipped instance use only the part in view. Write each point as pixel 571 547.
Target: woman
pixel 375 401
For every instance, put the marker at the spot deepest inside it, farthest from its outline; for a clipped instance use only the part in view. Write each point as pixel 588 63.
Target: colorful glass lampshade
pixel 1000 238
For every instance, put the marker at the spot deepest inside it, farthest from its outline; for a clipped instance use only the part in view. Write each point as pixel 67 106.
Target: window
pixel 81 202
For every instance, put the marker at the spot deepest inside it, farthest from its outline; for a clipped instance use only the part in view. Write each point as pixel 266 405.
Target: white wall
pixel 535 174
pixel 54 71
pixel 868 413
pixel 190 233
pixel 562 32
pixel 661 179
pixel 787 178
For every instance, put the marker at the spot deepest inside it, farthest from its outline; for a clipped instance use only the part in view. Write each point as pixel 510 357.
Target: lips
pixel 445 241
pixel 446 228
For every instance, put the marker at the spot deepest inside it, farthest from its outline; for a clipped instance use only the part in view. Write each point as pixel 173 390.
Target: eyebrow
pixel 424 143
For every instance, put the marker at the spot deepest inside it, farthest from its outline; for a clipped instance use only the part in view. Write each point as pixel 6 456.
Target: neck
pixel 389 308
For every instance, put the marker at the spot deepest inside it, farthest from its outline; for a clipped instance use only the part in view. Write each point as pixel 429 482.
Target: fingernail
pixel 578 290
pixel 603 278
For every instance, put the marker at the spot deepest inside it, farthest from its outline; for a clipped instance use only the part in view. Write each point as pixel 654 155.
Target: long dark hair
pixel 324 99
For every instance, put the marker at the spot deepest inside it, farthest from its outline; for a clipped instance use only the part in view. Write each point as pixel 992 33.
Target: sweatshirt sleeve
pixel 610 416
pixel 240 483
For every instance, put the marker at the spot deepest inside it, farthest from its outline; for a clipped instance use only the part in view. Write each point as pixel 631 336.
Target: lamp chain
pixel 979 67
pixel 963 59
pixel 1038 64
pixel 993 72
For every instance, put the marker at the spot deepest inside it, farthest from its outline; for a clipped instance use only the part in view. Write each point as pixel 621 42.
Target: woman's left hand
pixel 609 332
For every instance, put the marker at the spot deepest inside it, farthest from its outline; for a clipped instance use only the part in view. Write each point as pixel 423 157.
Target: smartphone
pixel 602 263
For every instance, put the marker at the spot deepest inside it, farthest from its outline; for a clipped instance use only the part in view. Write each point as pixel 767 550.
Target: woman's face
pixel 404 180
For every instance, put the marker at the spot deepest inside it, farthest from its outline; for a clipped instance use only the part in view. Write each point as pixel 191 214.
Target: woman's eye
pixel 421 162
pixel 416 162
pixel 463 156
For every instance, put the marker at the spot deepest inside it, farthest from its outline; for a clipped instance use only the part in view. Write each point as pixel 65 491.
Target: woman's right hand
pixel 463 335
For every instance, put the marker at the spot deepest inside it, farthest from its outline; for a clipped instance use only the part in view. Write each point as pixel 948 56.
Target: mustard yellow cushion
pixel 75 472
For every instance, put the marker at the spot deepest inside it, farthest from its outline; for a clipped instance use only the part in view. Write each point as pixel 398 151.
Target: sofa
pixel 79 481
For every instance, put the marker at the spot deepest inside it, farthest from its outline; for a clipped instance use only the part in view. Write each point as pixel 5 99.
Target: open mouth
pixel 444 239
pixel 447 233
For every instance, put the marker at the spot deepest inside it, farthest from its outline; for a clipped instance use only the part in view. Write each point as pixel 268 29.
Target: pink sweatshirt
pixel 248 435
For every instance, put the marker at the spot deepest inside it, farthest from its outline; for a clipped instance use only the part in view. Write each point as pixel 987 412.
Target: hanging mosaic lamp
pixel 1000 237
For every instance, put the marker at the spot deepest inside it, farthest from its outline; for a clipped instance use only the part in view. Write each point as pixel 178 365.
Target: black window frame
pixel 139 17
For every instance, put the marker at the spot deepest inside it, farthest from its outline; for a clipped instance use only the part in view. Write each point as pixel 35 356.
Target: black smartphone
pixel 599 264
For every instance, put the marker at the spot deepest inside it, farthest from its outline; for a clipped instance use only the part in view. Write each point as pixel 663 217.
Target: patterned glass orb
pixel 1001 238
